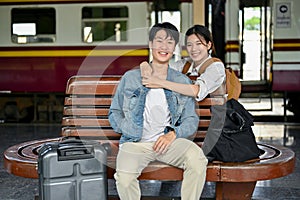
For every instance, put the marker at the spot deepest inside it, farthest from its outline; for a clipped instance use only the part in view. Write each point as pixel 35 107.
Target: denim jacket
pixel 127 107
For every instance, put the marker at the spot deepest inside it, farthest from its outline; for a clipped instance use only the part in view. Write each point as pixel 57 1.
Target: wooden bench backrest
pixel 87 103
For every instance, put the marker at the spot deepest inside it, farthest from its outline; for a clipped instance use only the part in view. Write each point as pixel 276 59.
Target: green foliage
pixel 252 23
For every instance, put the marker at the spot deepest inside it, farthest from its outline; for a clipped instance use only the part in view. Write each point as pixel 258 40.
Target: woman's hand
pixel 148 80
pixel 152 82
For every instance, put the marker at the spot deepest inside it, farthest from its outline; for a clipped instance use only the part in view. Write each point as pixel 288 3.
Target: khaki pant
pixel 182 153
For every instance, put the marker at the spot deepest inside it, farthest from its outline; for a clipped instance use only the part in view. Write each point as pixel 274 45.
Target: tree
pixel 252 23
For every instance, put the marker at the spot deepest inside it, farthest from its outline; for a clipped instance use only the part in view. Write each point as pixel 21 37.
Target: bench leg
pixel 234 191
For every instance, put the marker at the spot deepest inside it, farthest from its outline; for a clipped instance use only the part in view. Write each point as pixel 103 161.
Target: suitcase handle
pixel 71 151
pixel 72 148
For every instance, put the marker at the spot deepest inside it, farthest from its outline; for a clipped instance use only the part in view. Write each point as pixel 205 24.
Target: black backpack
pixel 230 137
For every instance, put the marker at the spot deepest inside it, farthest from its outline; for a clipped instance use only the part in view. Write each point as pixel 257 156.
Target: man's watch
pixel 169 128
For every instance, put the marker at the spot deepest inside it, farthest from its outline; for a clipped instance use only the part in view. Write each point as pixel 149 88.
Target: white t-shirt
pixel 156 115
pixel 209 81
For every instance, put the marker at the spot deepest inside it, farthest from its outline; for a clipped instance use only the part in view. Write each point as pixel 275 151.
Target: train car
pixel 42 45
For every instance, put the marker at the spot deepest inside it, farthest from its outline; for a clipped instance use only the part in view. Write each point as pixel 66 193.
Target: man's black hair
pixel 170 29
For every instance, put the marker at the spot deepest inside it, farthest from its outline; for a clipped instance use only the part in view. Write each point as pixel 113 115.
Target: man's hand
pixel 163 142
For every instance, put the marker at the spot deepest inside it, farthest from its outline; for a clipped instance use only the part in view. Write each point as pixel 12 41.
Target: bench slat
pixel 75 101
pixel 96 122
pixel 106 133
pixel 80 111
pixel 86 99
pixel 93 78
pixel 85 111
pixel 97 88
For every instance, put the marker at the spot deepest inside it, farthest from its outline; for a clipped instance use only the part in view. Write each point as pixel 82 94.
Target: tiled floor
pixel 285 188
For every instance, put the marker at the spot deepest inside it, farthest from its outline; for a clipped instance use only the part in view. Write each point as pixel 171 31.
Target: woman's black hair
pixel 202 33
pixel 170 29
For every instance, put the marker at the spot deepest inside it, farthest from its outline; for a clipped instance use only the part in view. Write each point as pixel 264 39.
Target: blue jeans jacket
pixel 127 107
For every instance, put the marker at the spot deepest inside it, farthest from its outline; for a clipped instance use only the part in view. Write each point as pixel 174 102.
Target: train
pixel 43 43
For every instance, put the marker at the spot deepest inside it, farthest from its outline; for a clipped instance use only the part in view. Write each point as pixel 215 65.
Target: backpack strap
pixel 220 91
pixel 186 67
pixel 207 63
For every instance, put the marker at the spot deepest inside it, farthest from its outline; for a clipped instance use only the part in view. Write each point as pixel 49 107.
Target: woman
pixel 199 46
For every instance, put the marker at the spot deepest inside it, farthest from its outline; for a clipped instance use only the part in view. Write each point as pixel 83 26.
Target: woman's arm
pixel 185 89
pixel 152 81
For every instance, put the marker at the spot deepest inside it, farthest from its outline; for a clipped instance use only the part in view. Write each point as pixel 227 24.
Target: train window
pixel 104 24
pixel 33 25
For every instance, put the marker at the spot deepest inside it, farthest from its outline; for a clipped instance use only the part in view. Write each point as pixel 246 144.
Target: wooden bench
pixel 86 108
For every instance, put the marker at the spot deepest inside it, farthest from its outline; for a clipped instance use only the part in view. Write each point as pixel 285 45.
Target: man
pixel 156 124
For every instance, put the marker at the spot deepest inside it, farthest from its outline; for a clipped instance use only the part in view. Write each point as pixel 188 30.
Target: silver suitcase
pixel 72 170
